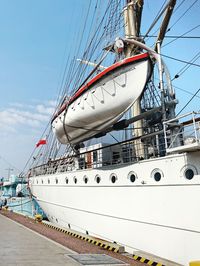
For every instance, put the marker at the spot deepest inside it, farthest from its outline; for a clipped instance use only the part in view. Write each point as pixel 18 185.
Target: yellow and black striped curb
pixel 147 261
pixel 98 242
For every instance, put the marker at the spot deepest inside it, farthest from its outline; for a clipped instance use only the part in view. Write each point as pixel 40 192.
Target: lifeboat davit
pixel 103 100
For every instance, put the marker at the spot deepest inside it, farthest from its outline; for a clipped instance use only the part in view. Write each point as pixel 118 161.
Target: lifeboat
pixel 103 100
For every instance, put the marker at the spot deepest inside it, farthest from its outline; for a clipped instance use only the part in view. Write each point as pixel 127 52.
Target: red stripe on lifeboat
pixel 81 90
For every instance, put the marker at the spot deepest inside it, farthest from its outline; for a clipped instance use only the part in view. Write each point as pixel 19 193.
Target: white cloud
pixel 25 115
pixel 52 103
pixel 21 126
pixel 44 109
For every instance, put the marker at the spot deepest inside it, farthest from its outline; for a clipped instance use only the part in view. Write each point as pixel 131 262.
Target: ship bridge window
pixel 85 178
pixel 132 176
pixel 98 179
pixel 157 174
pixel 95 156
pixel 113 178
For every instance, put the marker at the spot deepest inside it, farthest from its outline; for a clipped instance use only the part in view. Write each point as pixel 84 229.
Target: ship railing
pixel 120 154
pixel 105 156
pixel 182 133
pixel 54 166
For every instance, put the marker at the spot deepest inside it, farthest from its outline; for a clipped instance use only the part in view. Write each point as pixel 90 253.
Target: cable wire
pixel 180 60
pixel 183 14
pixel 188 102
pixel 182 35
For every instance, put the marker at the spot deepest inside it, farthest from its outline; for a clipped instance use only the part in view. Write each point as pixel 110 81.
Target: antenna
pixel 9 171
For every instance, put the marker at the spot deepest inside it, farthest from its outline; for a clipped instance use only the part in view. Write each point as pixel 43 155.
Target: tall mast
pixel 165 23
pixel 157 48
pixel 132 19
pixel 132 22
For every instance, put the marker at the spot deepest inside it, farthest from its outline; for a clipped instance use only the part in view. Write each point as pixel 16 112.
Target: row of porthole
pixel 113 178
pixel 157 174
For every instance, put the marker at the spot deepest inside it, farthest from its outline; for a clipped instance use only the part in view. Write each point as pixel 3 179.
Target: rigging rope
pixel 183 14
pixel 188 92
pixel 11 165
pixel 175 10
pixel 175 36
pixel 180 60
pixel 182 35
pixel 187 66
pixel 188 102
pixel 178 18
pixel 160 13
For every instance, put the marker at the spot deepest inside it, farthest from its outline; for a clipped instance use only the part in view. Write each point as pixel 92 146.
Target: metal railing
pixel 182 131
pixel 115 154
pixel 178 134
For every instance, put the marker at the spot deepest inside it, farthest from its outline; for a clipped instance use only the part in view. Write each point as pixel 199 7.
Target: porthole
pixel 189 173
pixel 42 181
pixel 85 178
pixel 56 180
pixel 157 174
pixel 132 176
pixel 48 181
pixel 75 180
pixel 113 178
pixel 98 179
pixel 66 180
pixel 37 181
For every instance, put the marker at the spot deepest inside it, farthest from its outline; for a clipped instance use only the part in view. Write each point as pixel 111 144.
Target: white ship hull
pixel 161 218
pixel 103 101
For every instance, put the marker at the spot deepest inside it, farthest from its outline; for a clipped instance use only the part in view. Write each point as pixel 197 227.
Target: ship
pixel 141 192
pixel 15 196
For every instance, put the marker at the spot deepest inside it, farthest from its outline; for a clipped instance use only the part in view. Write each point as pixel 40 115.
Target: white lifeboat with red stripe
pixel 103 100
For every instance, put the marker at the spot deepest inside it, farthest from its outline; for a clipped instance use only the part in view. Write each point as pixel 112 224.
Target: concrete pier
pixel 20 246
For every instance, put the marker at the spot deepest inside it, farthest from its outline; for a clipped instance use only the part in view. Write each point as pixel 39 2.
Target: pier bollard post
pixel 38 217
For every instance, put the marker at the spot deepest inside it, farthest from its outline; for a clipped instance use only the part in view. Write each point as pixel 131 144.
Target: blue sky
pixel 35 39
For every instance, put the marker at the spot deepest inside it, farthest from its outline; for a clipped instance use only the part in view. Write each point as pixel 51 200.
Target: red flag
pixel 41 142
